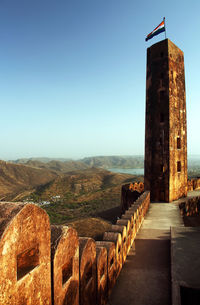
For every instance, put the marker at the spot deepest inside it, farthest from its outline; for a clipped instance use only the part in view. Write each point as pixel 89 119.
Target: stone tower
pixel 166 128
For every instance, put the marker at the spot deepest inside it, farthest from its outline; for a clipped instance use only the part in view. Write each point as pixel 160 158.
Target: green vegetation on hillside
pixel 81 194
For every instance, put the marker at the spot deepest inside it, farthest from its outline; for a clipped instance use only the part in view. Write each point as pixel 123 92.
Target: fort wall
pixel 42 264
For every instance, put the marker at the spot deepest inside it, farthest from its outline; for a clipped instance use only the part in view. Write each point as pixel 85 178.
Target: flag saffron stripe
pixel 162 23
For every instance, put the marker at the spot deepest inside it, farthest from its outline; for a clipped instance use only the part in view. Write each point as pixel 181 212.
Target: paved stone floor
pixel 185 262
pixel 145 278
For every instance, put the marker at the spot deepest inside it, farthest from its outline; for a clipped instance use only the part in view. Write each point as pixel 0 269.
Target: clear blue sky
pixel 72 74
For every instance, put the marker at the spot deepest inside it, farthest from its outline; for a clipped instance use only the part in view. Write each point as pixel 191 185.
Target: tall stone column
pixel 166 127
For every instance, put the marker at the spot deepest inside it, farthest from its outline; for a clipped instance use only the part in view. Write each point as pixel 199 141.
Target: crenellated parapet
pixel 42 264
pixel 25 261
pixel 65 265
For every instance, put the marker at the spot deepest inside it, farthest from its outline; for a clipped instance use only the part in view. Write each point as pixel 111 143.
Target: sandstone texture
pixel 65 265
pixel 24 255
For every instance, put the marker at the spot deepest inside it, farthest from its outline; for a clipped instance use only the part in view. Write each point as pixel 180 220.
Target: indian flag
pixel 159 29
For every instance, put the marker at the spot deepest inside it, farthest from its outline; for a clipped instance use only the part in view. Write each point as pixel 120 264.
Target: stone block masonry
pixel 43 265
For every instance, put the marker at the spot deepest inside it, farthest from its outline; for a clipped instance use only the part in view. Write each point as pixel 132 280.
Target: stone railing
pixel 193 184
pixel 190 207
pixel 42 264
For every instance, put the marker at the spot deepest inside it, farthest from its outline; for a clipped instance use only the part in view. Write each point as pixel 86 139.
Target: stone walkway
pixel 145 278
pixel 185 262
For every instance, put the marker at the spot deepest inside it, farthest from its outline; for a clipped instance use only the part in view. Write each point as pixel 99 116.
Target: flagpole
pixel 165 28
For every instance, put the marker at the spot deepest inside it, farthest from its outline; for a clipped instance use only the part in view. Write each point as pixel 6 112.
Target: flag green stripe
pixel 155 33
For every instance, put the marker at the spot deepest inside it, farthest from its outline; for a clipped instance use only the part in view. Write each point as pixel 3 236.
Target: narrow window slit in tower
pixel 178 166
pixel 172 75
pixel 178 143
pixel 162 93
pixel 162 117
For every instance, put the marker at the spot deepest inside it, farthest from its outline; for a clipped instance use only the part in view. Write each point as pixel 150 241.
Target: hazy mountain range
pixel 99 161
pixel 107 162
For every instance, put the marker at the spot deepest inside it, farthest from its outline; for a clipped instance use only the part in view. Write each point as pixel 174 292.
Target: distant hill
pixel 59 166
pixel 64 166
pixel 17 178
pixel 106 162
pixel 39 159
pixel 54 165
pixel 115 161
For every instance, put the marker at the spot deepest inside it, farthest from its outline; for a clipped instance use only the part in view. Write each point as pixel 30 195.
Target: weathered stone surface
pixel 129 231
pixel 65 265
pixel 166 130
pixel 134 211
pixel 129 194
pixel 193 184
pixel 117 239
pixel 122 231
pixel 111 262
pixel 133 224
pixel 196 184
pixel 24 255
pixel 102 275
pixel 87 273
pixel 141 186
pixel 134 214
pixel 190 185
pixel 190 206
